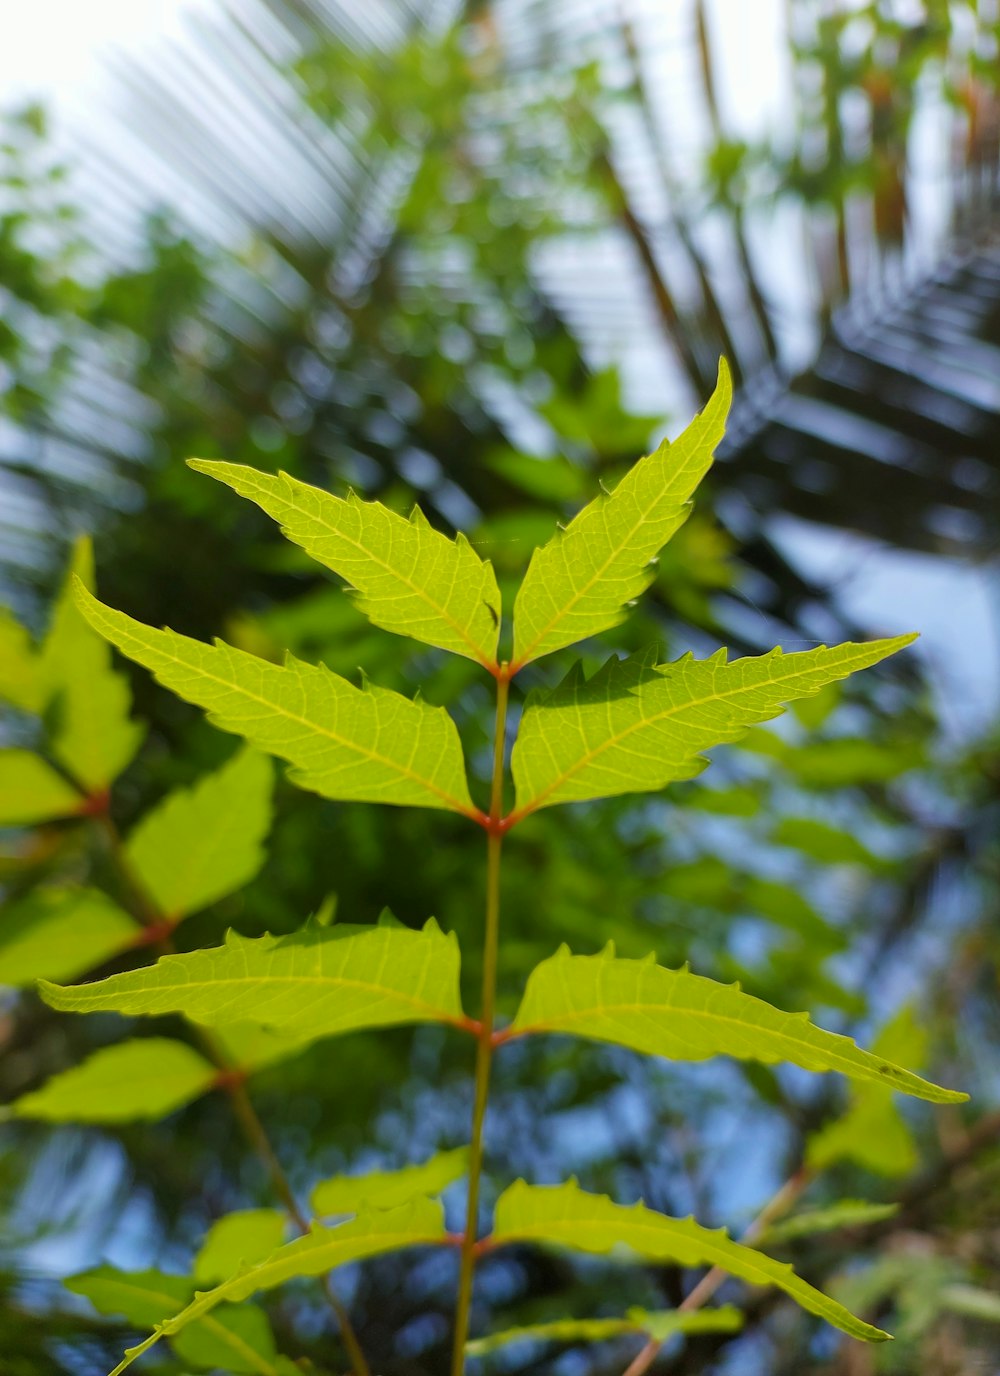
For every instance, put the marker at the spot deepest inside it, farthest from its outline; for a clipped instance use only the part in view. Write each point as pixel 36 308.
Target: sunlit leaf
pixel 366 744
pixel 319 982
pixel 659 1324
pixel 237 1340
pixel 407 577
pixel 637 726
pixel 21 680
pixel 582 581
pixel 143 1079
pixel 685 1017
pixel 31 791
pixel 201 843
pixel 564 1215
pixel 420 1222
pixel 346 1194
pixel 93 736
pixel 60 933
pixel 237 1240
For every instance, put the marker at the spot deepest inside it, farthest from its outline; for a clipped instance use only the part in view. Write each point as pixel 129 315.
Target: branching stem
pixel 484 1047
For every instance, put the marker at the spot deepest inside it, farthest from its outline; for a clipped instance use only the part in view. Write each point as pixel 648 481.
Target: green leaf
pixel 685 1017
pixel 363 744
pixel 93 735
pixel 846 1213
pixel 659 1325
pixel 636 726
pixel 829 845
pixel 346 1194
pixel 144 1079
pixel 406 576
pixel 319 982
pixel 565 1215
pixel 31 791
pixel 56 933
pixel 237 1240
pixel 21 680
pixel 238 1340
pixel 418 1223
pixel 581 582
pixel 202 843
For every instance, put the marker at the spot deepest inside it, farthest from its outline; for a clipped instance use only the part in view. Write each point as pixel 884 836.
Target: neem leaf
pixel 636 726
pixel 418 1223
pixel 31 791
pixel 143 1079
pixel 93 736
pixel 846 1213
pixel 363 744
pixel 56 933
pixel 581 582
pixel 686 1017
pixel 346 1194
pixel 204 842
pixel 237 1240
pixel 656 1324
pixel 238 1340
pixel 567 1216
pixel 21 681
pixel 319 982
pixel 406 576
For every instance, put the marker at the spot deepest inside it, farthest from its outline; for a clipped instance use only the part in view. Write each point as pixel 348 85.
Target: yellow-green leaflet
pixel 346 1194
pixel 21 681
pixel 239 1239
pixel 237 1340
pixel 93 737
pixel 567 1216
pixel 363 744
pixel 201 843
pixel 31 791
pixel 318 982
pixel 581 582
pixel 421 1221
pixel 637 726
pixel 685 1017
pixel 657 1324
pixel 57 933
pixel 405 576
pixel 145 1078
pixel 846 1213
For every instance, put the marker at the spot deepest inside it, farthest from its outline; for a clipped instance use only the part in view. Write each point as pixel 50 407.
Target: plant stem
pixel 778 1205
pixel 254 1131
pixel 484 1048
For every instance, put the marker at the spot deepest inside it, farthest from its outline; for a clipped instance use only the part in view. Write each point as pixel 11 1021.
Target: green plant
pixel 634 726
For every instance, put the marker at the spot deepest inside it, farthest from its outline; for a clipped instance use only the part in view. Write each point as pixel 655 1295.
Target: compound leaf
pixel 363 744
pixel 57 933
pixel 237 1340
pixel 316 983
pixel 237 1240
pixel 567 1216
pixel 581 582
pixel 657 1324
pixel 346 1194
pixel 418 1223
pixel 846 1213
pixel 31 791
pixel 201 843
pixel 144 1079
pixel 686 1017
pixel 406 577
pixel 21 681
pixel 637 726
pixel 93 735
